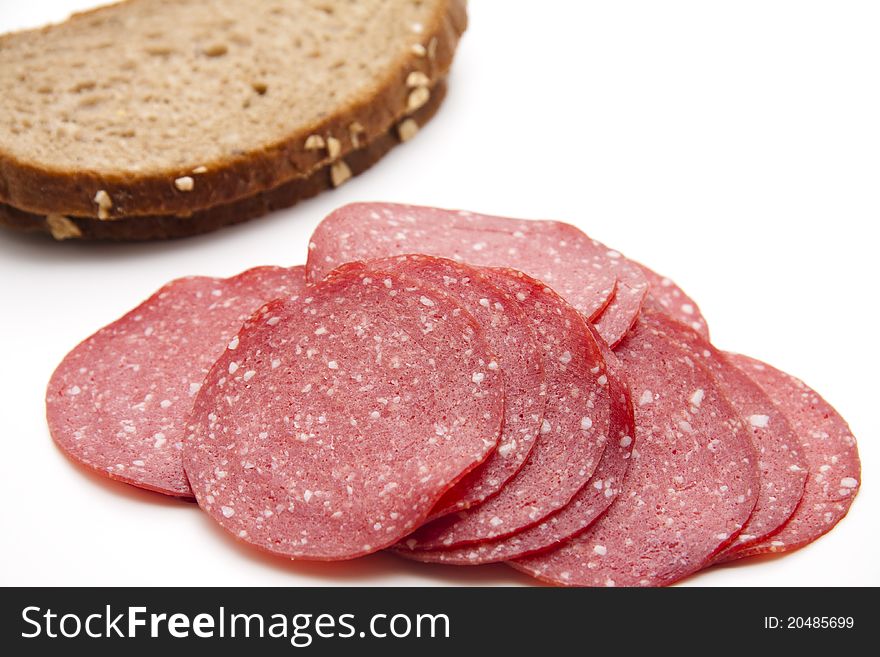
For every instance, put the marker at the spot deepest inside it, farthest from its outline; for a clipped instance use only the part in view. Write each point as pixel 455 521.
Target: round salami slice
pixel 781 463
pixel 691 483
pixel 118 402
pixel 672 301
pixel 572 436
pixel 510 336
pixel 575 266
pixel 589 503
pixel 341 418
pixel 626 303
pixel 830 451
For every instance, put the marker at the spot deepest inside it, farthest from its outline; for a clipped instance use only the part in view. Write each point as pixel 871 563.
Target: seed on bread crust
pixel 407 129
pixel 418 50
pixel 417 97
pixel 339 173
pixel 105 203
pixel 184 183
pixel 200 170
pixel 355 130
pixel 62 228
pixel 334 148
pixel 417 79
pixel 314 143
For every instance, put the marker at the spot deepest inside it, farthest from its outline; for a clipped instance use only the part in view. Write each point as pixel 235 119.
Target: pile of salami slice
pixel 460 389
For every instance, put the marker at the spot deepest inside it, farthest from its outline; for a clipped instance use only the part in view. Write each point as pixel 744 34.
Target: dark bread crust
pixel 382 105
pixel 156 227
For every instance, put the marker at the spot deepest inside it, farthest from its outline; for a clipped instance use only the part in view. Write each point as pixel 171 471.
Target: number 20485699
pixel 809 622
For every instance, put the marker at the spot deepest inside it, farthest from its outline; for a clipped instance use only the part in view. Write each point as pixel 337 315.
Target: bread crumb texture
pixel 183 71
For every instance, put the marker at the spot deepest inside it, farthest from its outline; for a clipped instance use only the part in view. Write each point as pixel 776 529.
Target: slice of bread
pixel 153 227
pixel 171 107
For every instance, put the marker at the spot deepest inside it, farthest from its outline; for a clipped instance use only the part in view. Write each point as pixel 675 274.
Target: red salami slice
pixel 690 487
pixel 830 451
pixel 572 436
pixel 342 417
pixel 673 302
pixel 580 269
pixel 781 464
pixel 511 337
pixel 118 402
pixel 589 503
pixel 626 303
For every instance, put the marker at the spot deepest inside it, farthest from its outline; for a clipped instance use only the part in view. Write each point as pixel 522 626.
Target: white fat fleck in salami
pixel 690 487
pixel 781 463
pixel 830 451
pixel 568 449
pixel 374 412
pixel 509 335
pixel 583 509
pixel 666 297
pixel 118 402
pixel 580 269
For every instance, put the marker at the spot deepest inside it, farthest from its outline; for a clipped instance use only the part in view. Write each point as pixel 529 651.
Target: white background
pixel 732 146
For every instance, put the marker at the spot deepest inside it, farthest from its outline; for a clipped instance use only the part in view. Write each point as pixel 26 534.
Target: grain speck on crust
pixel 62 228
pixel 314 143
pixel 339 173
pixel 407 129
pixel 418 50
pixel 184 183
pixel 201 169
pixel 417 98
pixel 355 130
pixel 417 79
pixel 334 148
pixel 105 203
